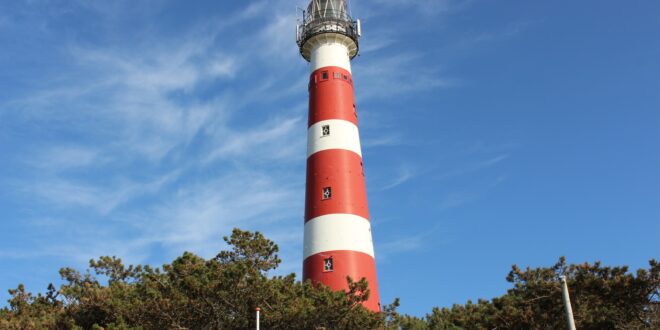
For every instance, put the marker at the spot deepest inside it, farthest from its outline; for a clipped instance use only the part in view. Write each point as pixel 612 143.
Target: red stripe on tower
pixel 338 239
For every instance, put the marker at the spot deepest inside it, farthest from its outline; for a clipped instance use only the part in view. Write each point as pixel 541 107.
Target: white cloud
pixel 402 244
pixel 391 76
pixel 404 174
pixel 474 166
pixel 63 157
pixel 456 199
pixel 195 165
pixel 137 110
pixel 511 30
pixel 103 197
pixel 384 141
pixel 274 140
pixel 277 39
pixel 426 8
pixel 198 215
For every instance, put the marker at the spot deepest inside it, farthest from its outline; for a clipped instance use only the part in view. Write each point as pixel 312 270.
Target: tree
pixel 192 293
pixel 222 293
pixel 602 298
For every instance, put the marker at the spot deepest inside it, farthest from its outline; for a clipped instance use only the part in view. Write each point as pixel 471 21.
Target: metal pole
pixel 258 309
pixel 567 303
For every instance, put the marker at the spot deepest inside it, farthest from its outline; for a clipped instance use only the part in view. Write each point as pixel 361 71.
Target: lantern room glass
pixel 324 9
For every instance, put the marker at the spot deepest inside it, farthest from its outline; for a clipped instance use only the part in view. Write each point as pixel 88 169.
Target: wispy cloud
pixel 378 41
pixel 159 148
pixel 272 140
pixel 453 200
pixel 511 30
pixel 62 157
pixel 424 7
pixel 385 250
pixel 153 150
pixel 201 213
pixel 474 167
pixel 103 197
pixel 457 199
pixel 404 174
pixel 385 77
pixel 389 140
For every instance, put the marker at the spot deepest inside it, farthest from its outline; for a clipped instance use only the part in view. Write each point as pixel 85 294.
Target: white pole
pixel 258 309
pixel 567 304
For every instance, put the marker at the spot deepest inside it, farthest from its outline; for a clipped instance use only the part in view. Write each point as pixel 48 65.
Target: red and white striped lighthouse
pixel 337 228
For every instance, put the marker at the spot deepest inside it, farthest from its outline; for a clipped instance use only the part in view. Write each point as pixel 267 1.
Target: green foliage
pixel 601 297
pixel 222 293
pixel 191 293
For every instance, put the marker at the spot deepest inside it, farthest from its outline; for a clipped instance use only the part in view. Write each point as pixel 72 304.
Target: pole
pixel 567 303
pixel 258 309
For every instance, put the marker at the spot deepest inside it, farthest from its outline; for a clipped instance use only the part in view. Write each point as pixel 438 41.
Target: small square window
pixel 327 193
pixel 328 265
pixel 345 77
pixel 337 75
pixel 324 75
pixel 325 130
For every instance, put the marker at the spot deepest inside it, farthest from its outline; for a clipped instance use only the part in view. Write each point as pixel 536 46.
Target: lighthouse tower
pixel 337 229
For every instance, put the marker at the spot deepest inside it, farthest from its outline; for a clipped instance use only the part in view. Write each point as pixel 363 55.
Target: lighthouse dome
pixel 327 20
pixel 336 9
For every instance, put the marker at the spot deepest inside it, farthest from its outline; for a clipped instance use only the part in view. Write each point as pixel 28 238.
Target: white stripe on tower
pixel 330 54
pixel 343 135
pixel 338 232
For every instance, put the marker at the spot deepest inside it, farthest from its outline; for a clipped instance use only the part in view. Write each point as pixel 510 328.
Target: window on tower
pixel 337 75
pixel 325 130
pixel 324 75
pixel 327 193
pixel 328 265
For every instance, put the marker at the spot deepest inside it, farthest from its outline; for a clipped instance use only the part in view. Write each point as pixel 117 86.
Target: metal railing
pixel 313 25
pixel 327 25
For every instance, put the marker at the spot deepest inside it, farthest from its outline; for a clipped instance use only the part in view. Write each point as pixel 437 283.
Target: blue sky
pixel 494 133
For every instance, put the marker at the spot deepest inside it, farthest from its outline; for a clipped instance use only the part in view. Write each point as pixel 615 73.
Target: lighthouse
pixel 337 238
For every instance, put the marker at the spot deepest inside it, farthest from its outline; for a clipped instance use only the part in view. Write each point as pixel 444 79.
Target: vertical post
pixel 258 310
pixel 567 303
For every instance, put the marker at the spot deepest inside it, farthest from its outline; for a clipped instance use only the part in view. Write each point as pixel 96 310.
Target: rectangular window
pixel 327 193
pixel 337 75
pixel 324 75
pixel 325 130
pixel 345 77
pixel 328 265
